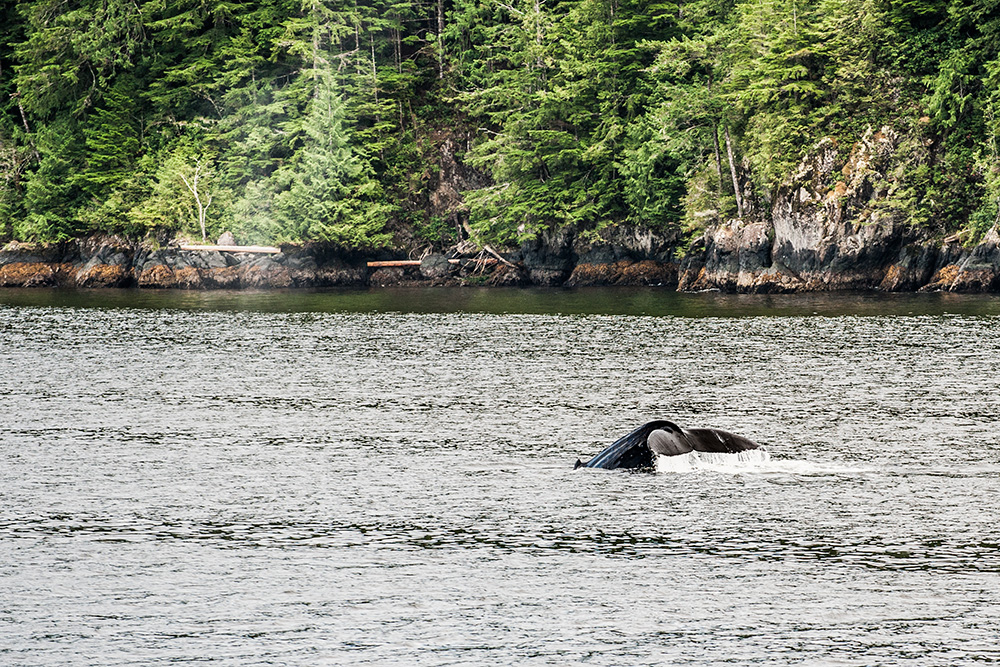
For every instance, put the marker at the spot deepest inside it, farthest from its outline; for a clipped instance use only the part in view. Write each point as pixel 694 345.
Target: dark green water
pixel 386 478
pixel 596 301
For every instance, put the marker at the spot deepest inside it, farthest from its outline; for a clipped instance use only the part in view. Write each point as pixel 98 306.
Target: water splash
pixel 758 461
pixel 751 459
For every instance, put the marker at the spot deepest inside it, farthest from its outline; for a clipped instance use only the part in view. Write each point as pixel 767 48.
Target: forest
pixel 290 121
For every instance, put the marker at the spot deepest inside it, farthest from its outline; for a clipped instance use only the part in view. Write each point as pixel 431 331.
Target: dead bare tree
pixel 193 186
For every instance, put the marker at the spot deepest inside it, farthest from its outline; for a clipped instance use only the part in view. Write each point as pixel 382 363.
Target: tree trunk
pixel 718 157
pixel 732 172
pixel 192 185
pixel 371 43
pixel 440 38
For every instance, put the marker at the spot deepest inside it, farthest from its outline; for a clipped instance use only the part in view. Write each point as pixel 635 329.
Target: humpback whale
pixel 640 448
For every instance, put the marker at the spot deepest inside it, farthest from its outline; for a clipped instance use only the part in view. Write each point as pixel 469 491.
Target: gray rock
pixel 549 257
pixel 829 229
pixel 434 267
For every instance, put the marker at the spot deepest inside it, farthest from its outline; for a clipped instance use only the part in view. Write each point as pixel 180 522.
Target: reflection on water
pixel 585 301
pixel 327 478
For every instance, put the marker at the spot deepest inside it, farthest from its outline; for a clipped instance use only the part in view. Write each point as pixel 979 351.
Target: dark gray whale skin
pixel 638 450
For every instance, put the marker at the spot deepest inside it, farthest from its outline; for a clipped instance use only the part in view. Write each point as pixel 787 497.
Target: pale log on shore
pixel 416 262
pixel 264 249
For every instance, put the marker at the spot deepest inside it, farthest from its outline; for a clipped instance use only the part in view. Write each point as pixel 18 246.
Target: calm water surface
pixel 386 478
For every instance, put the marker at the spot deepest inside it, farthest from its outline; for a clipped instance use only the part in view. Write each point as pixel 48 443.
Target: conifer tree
pixel 329 193
pixel 564 84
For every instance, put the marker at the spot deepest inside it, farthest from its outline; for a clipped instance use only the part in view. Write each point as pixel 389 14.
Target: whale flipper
pixel 639 449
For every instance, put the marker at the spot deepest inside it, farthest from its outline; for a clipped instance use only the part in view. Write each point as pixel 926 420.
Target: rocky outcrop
pixel 781 255
pixel 435 267
pixel 118 262
pixel 735 257
pixel 548 258
pixel 26 265
pixel 625 256
pixel 616 255
pixel 973 270
pixel 834 227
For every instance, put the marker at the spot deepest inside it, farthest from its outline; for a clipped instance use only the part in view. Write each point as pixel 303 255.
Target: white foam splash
pixel 755 461
pixel 751 459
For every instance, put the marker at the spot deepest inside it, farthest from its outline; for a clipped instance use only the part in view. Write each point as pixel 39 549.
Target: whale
pixel 639 449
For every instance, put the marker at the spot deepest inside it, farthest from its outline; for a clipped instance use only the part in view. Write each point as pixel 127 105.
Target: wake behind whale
pixel 657 440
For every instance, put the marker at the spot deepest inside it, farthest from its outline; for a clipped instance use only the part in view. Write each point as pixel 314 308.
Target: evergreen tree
pixel 329 193
pixel 562 88
pixel 50 195
pixel 70 55
pixel 72 50
pixel 677 148
pixel 15 155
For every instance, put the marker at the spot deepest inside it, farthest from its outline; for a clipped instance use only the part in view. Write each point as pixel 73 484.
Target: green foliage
pixel 329 194
pixel 562 87
pixel 50 194
pixel 321 120
pixel 111 138
pixel 169 204
pixel 435 229
pixel 71 51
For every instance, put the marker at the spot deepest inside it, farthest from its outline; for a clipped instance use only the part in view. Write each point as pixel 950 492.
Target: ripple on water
pixel 253 487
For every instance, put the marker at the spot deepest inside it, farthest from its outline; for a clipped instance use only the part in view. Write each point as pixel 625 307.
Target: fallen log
pixel 395 262
pixel 382 263
pixel 263 249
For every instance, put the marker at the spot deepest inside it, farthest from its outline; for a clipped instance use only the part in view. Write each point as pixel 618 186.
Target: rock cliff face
pixel 831 227
pixel 836 229
pixel 616 256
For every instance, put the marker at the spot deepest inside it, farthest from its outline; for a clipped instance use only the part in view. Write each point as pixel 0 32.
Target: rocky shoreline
pixel 738 257
pixel 831 227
